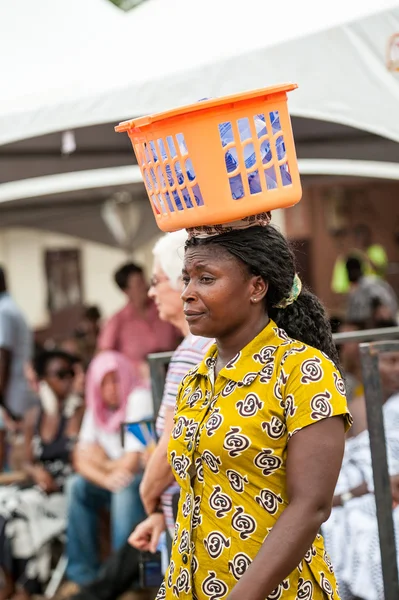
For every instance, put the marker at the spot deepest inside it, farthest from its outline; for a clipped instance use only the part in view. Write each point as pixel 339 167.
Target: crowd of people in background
pixel 67 405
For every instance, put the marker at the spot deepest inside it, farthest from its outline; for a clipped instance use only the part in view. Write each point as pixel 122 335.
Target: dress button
pixel 189 446
pixel 185 559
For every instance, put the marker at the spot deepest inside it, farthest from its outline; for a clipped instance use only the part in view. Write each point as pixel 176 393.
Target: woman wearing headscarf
pixel 106 471
pixel 260 424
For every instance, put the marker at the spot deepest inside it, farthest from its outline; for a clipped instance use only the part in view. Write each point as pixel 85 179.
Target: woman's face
pixel 219 294
pixel 168 300
pixel 60 376
pixel 110 390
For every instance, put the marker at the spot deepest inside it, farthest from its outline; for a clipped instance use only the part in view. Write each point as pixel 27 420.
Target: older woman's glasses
pixel 155 281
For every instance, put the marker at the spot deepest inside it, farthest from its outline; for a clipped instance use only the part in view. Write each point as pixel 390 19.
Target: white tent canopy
pixel 71 63
pixel 85 65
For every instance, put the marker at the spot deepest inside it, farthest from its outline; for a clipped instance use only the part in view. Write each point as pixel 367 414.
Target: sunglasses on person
pixel 62 374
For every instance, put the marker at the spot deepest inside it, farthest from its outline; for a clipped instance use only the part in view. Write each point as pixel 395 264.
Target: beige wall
pixel 22 253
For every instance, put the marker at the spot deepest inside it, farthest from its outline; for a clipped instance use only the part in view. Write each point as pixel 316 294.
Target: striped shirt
pixel 189 354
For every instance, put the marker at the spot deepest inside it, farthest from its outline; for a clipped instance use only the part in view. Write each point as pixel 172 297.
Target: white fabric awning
pixel 67 63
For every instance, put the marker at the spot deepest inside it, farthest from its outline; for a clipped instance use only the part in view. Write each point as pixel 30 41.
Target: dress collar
pixel 251 360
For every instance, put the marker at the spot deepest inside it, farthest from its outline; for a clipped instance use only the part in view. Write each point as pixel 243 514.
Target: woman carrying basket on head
pixel 259 427
pixel 260 424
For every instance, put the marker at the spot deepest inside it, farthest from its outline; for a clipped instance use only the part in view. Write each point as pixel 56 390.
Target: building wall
pixel 324 210
pixel 22 252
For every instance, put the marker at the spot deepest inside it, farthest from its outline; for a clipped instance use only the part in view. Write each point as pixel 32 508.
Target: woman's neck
pixel 230 345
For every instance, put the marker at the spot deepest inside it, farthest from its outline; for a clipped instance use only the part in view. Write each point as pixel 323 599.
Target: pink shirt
pixel 136 336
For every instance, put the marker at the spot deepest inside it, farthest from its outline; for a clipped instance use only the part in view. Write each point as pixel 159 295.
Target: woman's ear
pixel 259 289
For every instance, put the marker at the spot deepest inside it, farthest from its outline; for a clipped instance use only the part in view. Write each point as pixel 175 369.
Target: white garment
pixel 351 533
pixel 33 519
pixel 139 408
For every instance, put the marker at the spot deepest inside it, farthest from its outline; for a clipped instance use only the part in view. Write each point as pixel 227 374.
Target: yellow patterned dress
pixel 228 452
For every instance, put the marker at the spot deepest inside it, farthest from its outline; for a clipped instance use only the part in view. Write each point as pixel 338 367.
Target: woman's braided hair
pixel 266 252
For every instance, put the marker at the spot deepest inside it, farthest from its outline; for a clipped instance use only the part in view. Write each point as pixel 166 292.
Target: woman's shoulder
pixel 296 353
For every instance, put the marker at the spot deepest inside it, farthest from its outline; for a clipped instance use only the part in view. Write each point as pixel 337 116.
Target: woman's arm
pixel 35 471
pixel 29 424
pixel 90 461
pixel 158 475
pixel 313 464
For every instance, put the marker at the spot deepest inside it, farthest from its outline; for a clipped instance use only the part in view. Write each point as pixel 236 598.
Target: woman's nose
pixel 188 292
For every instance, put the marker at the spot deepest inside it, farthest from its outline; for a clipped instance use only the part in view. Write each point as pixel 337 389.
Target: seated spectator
pixel 364 290
pixel 33 514
pixel 136 330
pixel 106 472
pixel 351 533
pixel 121 571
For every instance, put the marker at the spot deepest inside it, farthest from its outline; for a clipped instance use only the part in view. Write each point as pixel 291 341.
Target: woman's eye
pixel 205 279
pixel 186 280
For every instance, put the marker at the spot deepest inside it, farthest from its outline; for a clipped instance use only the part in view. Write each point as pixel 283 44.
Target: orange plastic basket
pixel 218 160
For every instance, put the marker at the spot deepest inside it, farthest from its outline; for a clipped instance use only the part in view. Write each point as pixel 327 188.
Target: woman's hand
pixel 118 479
pixel 44 480
pixel 146 535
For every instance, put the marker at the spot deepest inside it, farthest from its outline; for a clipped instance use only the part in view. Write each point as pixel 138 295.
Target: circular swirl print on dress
pixel 236 480
pixel 219 502
pixel 236 443
pixel 321 407
pixel 161 592
pixel 305 589
pixel 249 406
pixel 214 588
pixel 269 501
pixel 215 543
pixel 275 428
pixel 243 523
pixel 339 384
pixel 311 370
pixel 239 565
pixel 267 462
pixel 214 422
pixel 182 582
pixel 326 585
pixel 212 461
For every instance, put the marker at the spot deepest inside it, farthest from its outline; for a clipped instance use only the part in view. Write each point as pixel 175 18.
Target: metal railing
pixel 369 335
pixel 369 354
